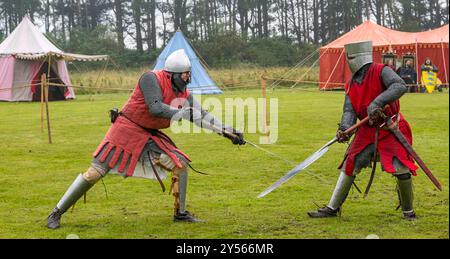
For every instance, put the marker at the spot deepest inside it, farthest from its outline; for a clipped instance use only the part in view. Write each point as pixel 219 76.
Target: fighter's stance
pixel 372 88
pixel 135 138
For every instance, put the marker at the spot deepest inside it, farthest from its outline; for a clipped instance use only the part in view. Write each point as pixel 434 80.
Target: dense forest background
pixel 225 32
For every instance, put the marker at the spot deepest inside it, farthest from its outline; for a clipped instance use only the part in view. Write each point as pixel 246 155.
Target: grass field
pixel 35 174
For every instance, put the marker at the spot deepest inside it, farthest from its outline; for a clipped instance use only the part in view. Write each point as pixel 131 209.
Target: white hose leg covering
pixel 341 191
pixel 166 162
pixel 93 175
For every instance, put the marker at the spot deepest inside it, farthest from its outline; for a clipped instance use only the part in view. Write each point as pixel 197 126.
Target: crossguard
pixel 389 121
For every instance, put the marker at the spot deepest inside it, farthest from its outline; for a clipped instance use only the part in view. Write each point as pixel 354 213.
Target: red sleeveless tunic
pixel 131 132
pixel 361 96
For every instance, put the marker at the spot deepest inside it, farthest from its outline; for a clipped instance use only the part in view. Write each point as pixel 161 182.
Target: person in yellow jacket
pixel 429 76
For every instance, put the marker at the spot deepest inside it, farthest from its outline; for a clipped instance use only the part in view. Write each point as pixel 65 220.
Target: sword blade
pixel 310 160
pixel 289 162
pixel 269 152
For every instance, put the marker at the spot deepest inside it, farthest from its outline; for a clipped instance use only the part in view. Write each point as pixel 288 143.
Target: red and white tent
pixel 334 72
pixel 25 55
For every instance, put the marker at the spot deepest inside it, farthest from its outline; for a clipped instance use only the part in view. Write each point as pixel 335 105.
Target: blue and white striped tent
pixel 201 82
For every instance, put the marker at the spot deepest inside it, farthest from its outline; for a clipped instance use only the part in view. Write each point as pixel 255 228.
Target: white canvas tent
pixel 25 55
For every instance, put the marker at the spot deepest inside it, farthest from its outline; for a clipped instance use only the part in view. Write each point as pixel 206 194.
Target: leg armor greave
pixel 78 188
pixel 183 190
pixel 179 187
pixel 405 189
pixel 405 193
pixel 339 195
pixel 179 190
pixel 341 191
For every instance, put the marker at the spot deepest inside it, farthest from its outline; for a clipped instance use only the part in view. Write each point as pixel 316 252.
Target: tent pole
pixel 101 73
pixel 277 82
pixel 264 95
pixel 443 57
pixel 42 101
pixel 310 68
pixel 334 69
pixel 48 69
pixel 202 61
pixel 47 111
pixel 114 63
pixel 43 83
pixel 419 73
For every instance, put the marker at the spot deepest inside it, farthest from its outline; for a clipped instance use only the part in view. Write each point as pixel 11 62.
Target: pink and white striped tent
pixel 27 54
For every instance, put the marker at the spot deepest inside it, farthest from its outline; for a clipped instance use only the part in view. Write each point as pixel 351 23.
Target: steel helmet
pixel 178 62
pixel 359 54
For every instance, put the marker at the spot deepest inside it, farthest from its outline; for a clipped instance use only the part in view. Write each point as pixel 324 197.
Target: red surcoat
pixel 361 96
pixel 131 132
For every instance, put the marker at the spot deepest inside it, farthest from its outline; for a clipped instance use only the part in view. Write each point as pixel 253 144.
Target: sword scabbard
pixel 408 147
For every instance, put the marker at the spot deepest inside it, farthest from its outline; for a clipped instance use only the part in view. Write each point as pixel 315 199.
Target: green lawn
pixel 35 174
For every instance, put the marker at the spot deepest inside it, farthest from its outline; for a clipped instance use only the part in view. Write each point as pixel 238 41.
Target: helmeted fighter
pixel 374 91
pixel 135 143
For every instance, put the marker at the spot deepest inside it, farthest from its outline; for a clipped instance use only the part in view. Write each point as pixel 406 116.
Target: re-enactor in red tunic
pixel 135 146
pixel 137 125
pixel 361 96
pixel 373 88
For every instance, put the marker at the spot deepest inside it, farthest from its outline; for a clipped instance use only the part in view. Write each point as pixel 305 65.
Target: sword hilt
pixel 388 121
pixel 362 122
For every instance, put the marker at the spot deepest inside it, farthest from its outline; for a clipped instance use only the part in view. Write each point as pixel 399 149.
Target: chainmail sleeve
pixel 153 97
pixel 195 113
pixel 349 116
pixel 202 118
pixel 395 88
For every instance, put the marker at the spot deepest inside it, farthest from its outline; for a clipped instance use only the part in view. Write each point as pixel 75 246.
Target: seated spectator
pixel 429 70
pixel 390 63
pixel 429 66
pixel 409 75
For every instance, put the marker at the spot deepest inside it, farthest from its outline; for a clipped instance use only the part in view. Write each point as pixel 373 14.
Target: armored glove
pixel 186 113
pixel 342 136
pixel 234 135
pixel 375 113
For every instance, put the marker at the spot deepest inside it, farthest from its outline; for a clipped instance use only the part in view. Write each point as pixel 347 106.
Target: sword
pixel 223 131
pixel 289 162
pixel 272 154
pixel 310 160
pixel 402 139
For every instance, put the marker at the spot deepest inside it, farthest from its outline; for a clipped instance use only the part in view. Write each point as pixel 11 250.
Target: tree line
pixel 127 29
